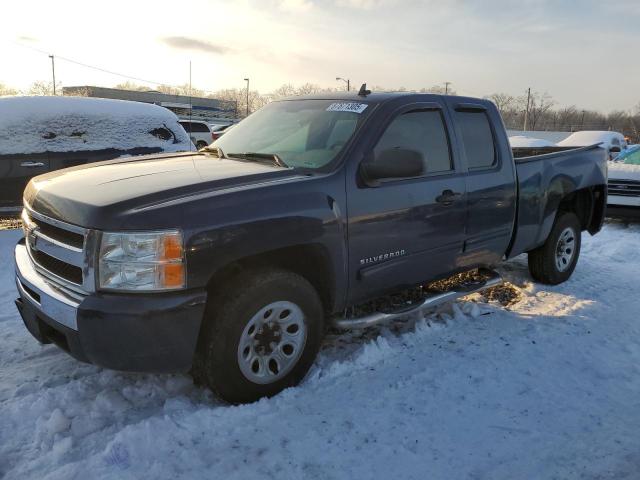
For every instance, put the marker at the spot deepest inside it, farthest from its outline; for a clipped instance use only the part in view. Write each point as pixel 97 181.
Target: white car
pixel 612 142
pixel 623 198
pixel 200 132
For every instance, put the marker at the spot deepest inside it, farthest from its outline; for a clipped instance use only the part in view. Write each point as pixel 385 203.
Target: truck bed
pixel 558 171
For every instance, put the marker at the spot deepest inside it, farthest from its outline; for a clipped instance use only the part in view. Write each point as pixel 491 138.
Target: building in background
pixel 196 108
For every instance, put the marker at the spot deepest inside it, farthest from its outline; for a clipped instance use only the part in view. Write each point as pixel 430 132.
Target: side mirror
pixel 615 150
pixel 393 163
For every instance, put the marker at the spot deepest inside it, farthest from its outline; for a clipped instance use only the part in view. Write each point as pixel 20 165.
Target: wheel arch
pixel 311 261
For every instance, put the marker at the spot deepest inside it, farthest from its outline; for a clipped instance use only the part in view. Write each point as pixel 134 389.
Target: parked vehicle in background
pixel 218 133
pixel 231 262
pixel 629 156
pixel 624 184
pixel 612 142
pixel 200 132
pixel 521 141
pixel 42 134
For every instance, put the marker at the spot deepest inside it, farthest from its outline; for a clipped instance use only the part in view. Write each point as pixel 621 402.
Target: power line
pixel 100 69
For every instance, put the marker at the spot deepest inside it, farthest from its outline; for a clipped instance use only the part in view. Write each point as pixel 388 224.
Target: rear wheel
pixel 201 144
pixel 554 262
pixel 262 335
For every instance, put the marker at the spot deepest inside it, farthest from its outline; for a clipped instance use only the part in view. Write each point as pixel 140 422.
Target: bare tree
pixel 6 90
pixel 180 90
pixel 284 90
pixel 439 89
pixel 43 88
pixel 128 85
pixel 539 105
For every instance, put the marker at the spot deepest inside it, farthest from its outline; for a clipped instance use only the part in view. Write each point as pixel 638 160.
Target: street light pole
pixel 53 71
pixel 446 87
pixel 345 80
pixel 247 80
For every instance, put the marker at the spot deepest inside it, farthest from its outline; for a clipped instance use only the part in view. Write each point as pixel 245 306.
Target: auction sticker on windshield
pixel 347 107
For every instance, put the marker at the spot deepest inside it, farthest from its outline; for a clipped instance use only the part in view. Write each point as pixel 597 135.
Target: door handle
pixel 32 164
pixel 447 197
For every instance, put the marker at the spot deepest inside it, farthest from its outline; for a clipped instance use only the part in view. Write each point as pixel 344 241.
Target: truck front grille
pixel 58 250
pixel 624 188
pixel 69 272
pixel 64 236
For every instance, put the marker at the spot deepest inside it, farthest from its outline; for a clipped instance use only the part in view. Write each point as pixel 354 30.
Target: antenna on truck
pixel 363 92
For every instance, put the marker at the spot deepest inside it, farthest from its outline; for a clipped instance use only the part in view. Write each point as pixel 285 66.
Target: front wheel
pixel 262 335
pixel 554 262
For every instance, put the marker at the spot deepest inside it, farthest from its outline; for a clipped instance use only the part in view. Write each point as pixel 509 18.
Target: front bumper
pixel 131 332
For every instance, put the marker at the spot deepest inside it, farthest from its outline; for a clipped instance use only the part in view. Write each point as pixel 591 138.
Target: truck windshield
pixel 303 133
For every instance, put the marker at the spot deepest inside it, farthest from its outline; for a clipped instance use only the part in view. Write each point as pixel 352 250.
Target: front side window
pixel 477 139
pixel 422 131
pixel 303 133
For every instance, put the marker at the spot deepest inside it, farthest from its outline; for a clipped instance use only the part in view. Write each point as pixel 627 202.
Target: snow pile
pixel 66 124
pixel 547 388
pixel 591 137
pixel 520 141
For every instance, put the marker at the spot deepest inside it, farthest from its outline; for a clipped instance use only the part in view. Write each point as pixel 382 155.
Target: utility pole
pixel 53 71
pixel 526 112
pixel 582 121
pixel 446 87
pixel 190 105
pixel 247 80
pixel 345 80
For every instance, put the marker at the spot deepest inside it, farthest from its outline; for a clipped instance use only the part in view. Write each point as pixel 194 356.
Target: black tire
pixel 227 315
pixel 201 145
pixel 543 261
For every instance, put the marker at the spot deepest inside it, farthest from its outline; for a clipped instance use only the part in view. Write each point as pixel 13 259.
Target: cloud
pixel 26 38
pixel 296 5
pixel 187 43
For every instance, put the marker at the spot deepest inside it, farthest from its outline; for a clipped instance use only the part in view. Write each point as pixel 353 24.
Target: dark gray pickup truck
pixel 231 262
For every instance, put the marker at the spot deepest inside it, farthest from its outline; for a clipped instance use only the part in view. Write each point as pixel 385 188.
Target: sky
pixel 581 52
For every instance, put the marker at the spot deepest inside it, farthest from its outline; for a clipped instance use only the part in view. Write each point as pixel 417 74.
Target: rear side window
pixel 422 131
pixel 477 139
pixel 194 127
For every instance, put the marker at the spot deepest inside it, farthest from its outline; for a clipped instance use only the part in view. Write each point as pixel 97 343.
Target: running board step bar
pixel 493 280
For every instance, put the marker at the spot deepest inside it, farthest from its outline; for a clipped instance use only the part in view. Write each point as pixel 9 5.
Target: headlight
pixel 141 261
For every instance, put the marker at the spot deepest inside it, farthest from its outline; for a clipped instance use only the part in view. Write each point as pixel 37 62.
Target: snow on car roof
pixel 521 141
pixel 590 137
pixel 64 124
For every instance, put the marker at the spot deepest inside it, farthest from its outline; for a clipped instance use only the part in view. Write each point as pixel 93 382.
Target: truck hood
pixel 76 195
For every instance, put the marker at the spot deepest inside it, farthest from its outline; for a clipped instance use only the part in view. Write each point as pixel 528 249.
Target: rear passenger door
pixel 490 183
pixel 405 231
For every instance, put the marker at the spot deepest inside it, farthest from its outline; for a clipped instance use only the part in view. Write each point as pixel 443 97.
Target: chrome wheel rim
pixel 272 342
pixel 565 249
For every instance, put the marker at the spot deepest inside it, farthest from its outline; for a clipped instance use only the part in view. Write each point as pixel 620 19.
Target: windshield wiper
pixel 259 156
pixel 211 149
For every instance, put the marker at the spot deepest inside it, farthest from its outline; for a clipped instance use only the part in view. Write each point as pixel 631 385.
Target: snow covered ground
pixel 548 388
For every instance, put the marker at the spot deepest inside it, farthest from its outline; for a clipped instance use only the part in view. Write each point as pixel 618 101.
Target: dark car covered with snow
pixel 42 134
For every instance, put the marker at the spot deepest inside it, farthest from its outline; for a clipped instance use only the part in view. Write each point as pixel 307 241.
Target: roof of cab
pixel 381 97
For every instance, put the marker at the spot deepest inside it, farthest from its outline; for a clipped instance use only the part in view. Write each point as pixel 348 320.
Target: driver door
pixel 407 230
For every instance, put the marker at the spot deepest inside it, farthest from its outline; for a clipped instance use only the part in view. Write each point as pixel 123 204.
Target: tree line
pixel 541 111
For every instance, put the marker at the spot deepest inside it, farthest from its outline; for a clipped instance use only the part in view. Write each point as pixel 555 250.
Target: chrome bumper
pixel 47 297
